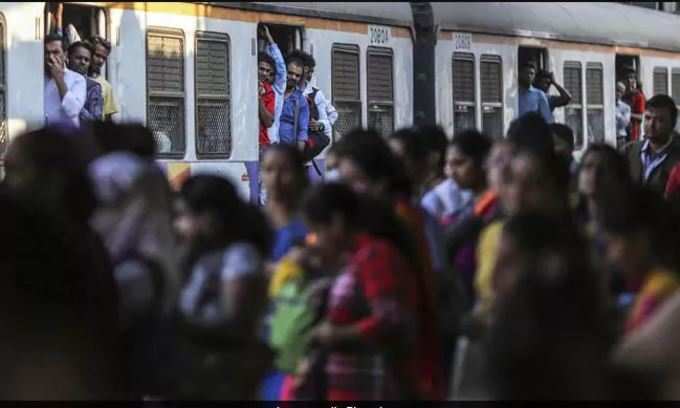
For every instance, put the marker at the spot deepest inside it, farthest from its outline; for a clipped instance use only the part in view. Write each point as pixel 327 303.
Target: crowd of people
pixel 422 267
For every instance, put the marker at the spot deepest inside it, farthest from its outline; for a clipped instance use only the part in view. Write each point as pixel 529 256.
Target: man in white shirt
pixel 65 90
pixel 327 113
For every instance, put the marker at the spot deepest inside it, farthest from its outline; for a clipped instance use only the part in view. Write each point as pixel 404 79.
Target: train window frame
pixel 375 105
pixel 178 34
pixel 464 57
pixel 339 102
pixel 225 98
pixel 595 107
pixel 675 85
pixel 492 59
pixel 663 71
pixel 579 139
pixel 4 123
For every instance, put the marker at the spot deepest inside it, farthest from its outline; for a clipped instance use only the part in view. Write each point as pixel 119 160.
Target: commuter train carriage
pixel 189 70
pixel 586 45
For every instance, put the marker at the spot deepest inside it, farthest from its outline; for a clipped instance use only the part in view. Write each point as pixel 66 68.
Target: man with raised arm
pixel 277 79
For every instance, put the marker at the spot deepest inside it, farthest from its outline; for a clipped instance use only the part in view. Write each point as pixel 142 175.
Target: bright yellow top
pixel 110 106
pixel 285 270
pixel 487 250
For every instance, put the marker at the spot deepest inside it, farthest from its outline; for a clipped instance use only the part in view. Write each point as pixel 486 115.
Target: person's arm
pixel 272 49
pixel 303 123
pixel 322 108
pixel 565 96
pixel 331 112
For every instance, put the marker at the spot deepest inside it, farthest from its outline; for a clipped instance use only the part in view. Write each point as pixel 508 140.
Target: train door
pixel 538 57
pixel 287 38
pixel 87 21
pixel 628 66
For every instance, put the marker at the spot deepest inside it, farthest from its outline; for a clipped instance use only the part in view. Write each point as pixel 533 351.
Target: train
pixel 189 70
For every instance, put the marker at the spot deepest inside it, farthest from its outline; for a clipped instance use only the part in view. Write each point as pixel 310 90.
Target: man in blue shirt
pixel 294 119
pixel 532 99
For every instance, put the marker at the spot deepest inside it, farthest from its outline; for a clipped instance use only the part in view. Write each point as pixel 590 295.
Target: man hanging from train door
pixel 294 120
pixel 277 79
pixel 102 49
pixel 79 59
pixel 544 80
pixel 322 114
pixel 531 99
pixel 64 93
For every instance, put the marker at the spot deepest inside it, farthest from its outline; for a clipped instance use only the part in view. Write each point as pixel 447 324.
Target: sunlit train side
pixel 217 129
pixel 189 70
pixel 480 46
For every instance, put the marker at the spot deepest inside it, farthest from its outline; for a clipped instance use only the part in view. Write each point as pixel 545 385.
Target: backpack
pixel 317 140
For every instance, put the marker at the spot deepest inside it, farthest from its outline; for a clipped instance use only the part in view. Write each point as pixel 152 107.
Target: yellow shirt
pixel 110 106
pixel 487 250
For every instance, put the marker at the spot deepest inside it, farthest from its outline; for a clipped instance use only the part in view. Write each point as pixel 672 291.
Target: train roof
pixel 393 14
pixel 599 23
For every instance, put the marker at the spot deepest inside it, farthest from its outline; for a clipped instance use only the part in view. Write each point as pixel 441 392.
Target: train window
pixel 675 86
pixel 213 109
pixel 4 133
pixel 660 80
pixel 595 102
pixel 165 90
pixel 345 85
pixel 491 78
pixel 574 111
pixel 379 75
pixel 463 92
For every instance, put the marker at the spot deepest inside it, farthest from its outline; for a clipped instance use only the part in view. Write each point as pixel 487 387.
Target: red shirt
pixel 673 183
pixel 637 102
pixel 269 99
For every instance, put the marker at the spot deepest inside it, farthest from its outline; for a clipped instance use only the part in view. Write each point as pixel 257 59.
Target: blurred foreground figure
pixel 47 168
pixel 56 343
pixel 548 338
pixel 134 219
pixel 222 298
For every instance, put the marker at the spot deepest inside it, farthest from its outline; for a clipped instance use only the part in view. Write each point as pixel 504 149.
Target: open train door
pixel 21 69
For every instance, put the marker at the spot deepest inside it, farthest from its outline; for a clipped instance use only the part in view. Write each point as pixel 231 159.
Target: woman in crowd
pixel 368 166
pixel 370 328
pixel 285 179
pixel 222 299
pixel 134 218
pixel 548 335
pixel 603 181
pixel 466 159
pixel 641 235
